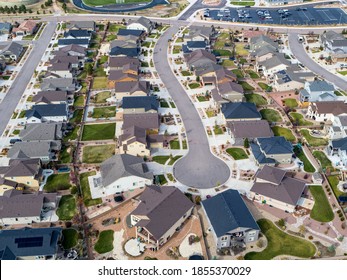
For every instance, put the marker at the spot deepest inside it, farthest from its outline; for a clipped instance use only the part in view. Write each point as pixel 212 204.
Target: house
pixel 263 53
pixel 338 129
pixel 140 104
pixel 232 224
pixel 199 59
pixel 86 25
pixel 17 208
pixel 73 41
pixel 45 151
pixel 135 33
pixel 60 84
pixel 74 62
pixel 338 150
pixel 240 111
pixel 229 91
pixel 201 33
pixel 42 132
pixel 133 142
pixel 317 178
pixel 125 51
pixel 262 41
pixel 132 88
pixel 193 46
pixel 120 62
pixel 50 97
pixel 72 50
pixel 127 43
pixel 317 90
pixel 160 213
pixel 274 187
pixel 47 113
pixel 121 76
pixel 29 243
pixel 78 34
pixel 118 174
pixel 291 79
pixel 61 69
pixel 215 74
pixel 26 172
pixel 326 111
pixel 150 122
pixel 12 52
pixel 5 28
pixel 335 44
pixel 272 150
pixel 142 23
pixel 250 130
pixel 27 27
pixel 272 65
pixel 6 185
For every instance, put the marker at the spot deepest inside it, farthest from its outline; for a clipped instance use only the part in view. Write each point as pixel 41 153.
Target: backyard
pixel 105 242
pixel 298 119
pixel 98 131
pixel 70 238
pixel 271 115
pixel 57 182
pixel 334 181
pixel 313 141
pixel 308 167
pixel 87 197
pixel 104 112
pixel 256 99
pixel 290 102
pixel 323 159
pixel 102 96
pixel 285 132
pixel 98 153
pixel 237 153
pixel 321 211
pixel 67 207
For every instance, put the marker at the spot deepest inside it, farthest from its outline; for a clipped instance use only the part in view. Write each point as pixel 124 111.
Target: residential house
pixel 129 73
pixel 338 129
pixel 274 187
pixel 291 79
pixel 150 122
pixel 60 84
pixel 263 53
pixel 193 46
pixel 50 97
pixel 118 174
pixel 12 52
pixel 78 34
pixel 77 25
pixel 41 132
pixel 74 62
pixel 120 62
pixel 125 51
pixel 5 28
pixel 27 27
pixel 72 50
pixel 229 91
pixel 160 213
pixel 25 172
pixel 317 90
pixel 17 208
pixel 250 130
pixel 272 150
pixel 140 104
pixel 61 70
pixel 201 33
pixel 231 223
pixel 240 111
pixel 215 74
pixel 338 150
pixel 199 59
pixel 47 113
pixel 326 111
pixel 335 44
pixel 272 65
pixel 29 243
pixel 128 43
pixel 142 23
pixel 133 142
pixel 132 88
pixel 45 151
pixel 262 41
pixel 124 34
pixel 73 41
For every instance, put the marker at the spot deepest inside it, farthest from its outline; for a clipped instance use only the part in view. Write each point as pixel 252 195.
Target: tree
pixel 64 7
pixel 198 199
pixel 281 223
pixel 246 143
pixel 89 68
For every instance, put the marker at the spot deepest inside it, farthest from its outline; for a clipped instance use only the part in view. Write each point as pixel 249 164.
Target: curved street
pixel 199 168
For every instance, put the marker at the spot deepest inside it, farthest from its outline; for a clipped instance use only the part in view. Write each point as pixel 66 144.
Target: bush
pixel 281 223
pixel 260 243
pixel 74 190
pixel 310 237
pixel 197 200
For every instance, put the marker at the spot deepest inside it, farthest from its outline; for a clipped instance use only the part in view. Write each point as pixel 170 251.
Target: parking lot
pixel 306 15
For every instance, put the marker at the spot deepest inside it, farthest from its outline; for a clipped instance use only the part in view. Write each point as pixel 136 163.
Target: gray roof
pixel 132 86
pixel 135 132
pixel 263 40
pixel 24 150
pixel 271 174
pixel 287 189
pixel 229 87
pixel 5 26
pixel 204 31
pixel 87 24
pixel 274 61
pixel 47 110
pixel 50 96
pixel 321 86
pixel 275 145
pixel 67 84
pixel 123 44
pixel 144 120
pixel 12 247
pixel 340 144
pixel 120 61
pixel 331 36
pixel 14 48
pixel 264 50
pixel 240 110
pixel 16 204
pixel 65 58
pixel 18 168
pixel 73 48
pixel 80 33
pixel 121 166
pixel 146 102
pixel 250 129
pixel 41 132
pixel 227 211
pixel 200 57
pixel 260 156
pixel 339 43
pixel 163 206
pixel 144 22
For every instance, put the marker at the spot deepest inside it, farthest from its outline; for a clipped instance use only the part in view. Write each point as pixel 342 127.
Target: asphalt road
pixel 199 168
pixel 298 50
pixel 11 100
pixel 198 5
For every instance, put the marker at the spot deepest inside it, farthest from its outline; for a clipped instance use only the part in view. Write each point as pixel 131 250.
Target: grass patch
pixel 97 154
pixel 280 243
pixel 228 63
pixel 313 141
pixel 252 74
pixel 164 104
pixel 87 197
pixel 99 72
pixel 221 52
pixel 105 242
pixel 242 3
pixel 103 59
pixel 99 83
pixel 70 238
pixel 175 144
pixel 194 85
pixel 72 135
pixel 111 37
pixel 308 167
pixel 161 179
pixel 323 159
pixel 99 131
pixel 237 153
pixel 104 112
pixel 77 116
pixel 113 26
pixel 202 98
pixel 285 132
pixel 67 207
pixel 172 104
pixel 174 159
pixel 271 115
pixel 321 211
pixel 246 86
pixel 16 132
pixel 79 101
pixel 160 159
pixel 256 99
pixel 291 102
pixel 240 50
pixel 102 96
pixel 238 73
pixel 265 87
pixel 298 119
pixel 186 73
pixel 65 156
pixel 57 182
pixel 334 181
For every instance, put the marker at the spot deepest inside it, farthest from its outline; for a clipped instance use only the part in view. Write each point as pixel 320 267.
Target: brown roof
pixel 163 206
pixel 197 55
pixel 120 61
pixel 27 25
pixel 63 66
pixel 64 59
pixel 116 75
pixel 135 132
pixel 229 87
pixel 330 107
pixel 144 120
pixel 250 129
pixel 132 86
pixel 50 96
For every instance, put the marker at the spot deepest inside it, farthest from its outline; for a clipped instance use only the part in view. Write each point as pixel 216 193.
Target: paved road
pixel 199 168
pixel 298 50
pixel 198 5
pixel 11 100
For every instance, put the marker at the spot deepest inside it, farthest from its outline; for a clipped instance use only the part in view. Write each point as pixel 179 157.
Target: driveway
pixel 199 168
pixel 299 52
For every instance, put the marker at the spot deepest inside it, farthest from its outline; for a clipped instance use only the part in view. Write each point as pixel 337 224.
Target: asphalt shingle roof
pixel 275 145
pixel 146 102
pixel 240 110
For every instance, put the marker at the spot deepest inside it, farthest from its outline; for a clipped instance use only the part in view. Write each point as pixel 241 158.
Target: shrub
pixel 310 237
pixel 260 243
pixel 281 223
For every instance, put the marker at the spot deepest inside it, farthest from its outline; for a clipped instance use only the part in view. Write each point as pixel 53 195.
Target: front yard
pixel 308 167
pixel 70 238
pixel 160 159
pixel 290 102
pixel 323 159
pixel 237 153
pixel 98 131
pixel 256 99
pixel 98 153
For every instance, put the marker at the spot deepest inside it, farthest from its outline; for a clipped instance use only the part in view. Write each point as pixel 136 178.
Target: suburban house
pixel 123 34
pixel 240 111
pixel 262 41
pixel 142 23
pixel 326 111
pixel 72 50
pixel 118 174
pixel 140 104
pixel 199 59
pixel 133 141
pixel 273 186
pixel 229 91
pixel 232 224
pixel 263 53
pixel 26 172
pixel 47 113
pixel 272 65
pixel 250 130
pixel 125 51
pixel 61 69
pixel 291 79
pixel 160 213
pixel 86 25
pixel 215 74
pixel 41 132
pixel 5 28
pixel 127 74
pixel 27 27
pixel 12 52
pixel 78 34
pixel 317 90
pixel 338 129
pixel 29 243
pixel 335 44
pixel 128 43
pixel 201 33
pixel 337 149
pixel 61 84
pixel 17 208
pixel 193 46
pixel 132 88
pixel 150 122
pixel 6 185
pixel 50 97
pixel 73 61
pixel 121 62
pixel 272 150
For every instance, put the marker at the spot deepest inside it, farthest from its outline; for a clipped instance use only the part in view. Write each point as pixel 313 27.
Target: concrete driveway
pixel 199 168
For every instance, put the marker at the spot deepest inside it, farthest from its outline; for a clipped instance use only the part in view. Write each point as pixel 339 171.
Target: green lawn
pixel 218 130
pixel 99 72
pixel 246 86
pixel 194 85
pixel 184 145
pixel 160 159
pixel 313 141
pixel 174 159
pixel 111 37
pixel 103 59
pixel 65 155
pixel 308 167
pixel 237 153
pixel 99 131
pixel 102 96
pixel 323 159
pixel 222 52
pixel 104 112
pixel 105 242
pixel 72 135
pixel 252 74
pixel 79 101
pixel 77 116
pixel 240 50
pixel 114 27
pixel 238 73
pixel 271 115
pixel 67 207
pixel 256 98
pixel 228 63
pixel 265 87
pixel 202 98
pixel 280 243
pixel 98 153
pixel 222 39
pixel 164 104
pixel 334 181
pixel 57 182
pixel 291 102
pixel 99 83
pixel 175 144
pixel 299 119
pixel 186 73
pixel 162 179
pixel 321 211
pixel 87 198
pixel 70 238
pixel 285 132
pixel 243 3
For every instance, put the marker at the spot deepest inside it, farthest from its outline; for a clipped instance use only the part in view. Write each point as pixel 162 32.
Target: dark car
pixel 15 140
pixel 119 198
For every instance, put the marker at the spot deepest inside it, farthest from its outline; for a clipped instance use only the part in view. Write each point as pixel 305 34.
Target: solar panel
pixel 29 242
